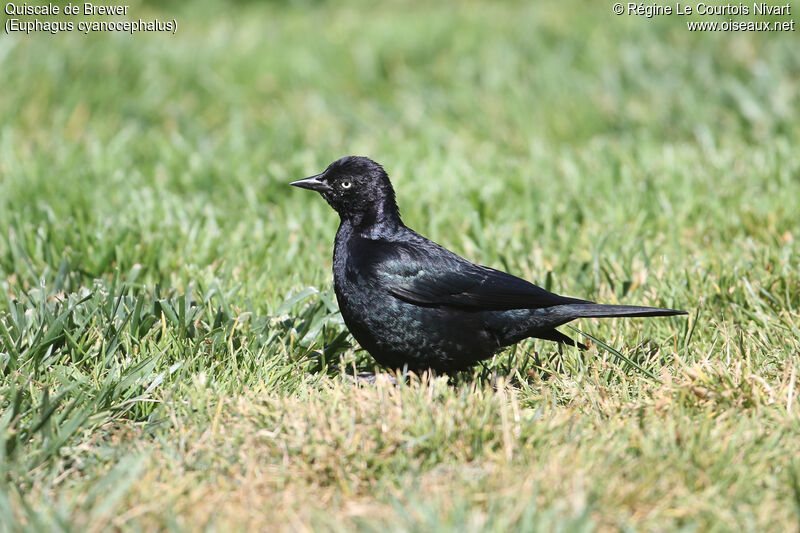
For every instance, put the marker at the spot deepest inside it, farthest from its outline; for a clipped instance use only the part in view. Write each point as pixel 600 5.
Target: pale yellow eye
pixel 346 184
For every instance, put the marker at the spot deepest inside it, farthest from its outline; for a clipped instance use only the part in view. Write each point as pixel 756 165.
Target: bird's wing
pixel 433 276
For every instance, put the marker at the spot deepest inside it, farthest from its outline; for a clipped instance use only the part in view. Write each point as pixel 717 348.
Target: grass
pixel 171 355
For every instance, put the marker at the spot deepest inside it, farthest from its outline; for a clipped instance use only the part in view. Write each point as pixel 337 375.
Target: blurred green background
pixel 155 264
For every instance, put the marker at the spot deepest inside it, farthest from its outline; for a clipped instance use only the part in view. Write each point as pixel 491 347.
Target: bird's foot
pixel 368 378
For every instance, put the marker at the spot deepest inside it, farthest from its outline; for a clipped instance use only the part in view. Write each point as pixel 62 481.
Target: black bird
pixel 410 302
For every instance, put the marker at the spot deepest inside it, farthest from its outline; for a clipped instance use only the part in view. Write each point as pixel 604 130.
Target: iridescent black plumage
pixel 410 302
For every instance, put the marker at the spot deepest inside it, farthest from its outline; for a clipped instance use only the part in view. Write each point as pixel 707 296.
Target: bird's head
pixel 357 188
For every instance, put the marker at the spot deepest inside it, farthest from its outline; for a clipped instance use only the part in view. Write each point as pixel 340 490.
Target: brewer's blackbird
pixel 412 303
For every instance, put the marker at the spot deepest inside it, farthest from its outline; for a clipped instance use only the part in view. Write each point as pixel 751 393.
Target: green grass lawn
pixel 171 354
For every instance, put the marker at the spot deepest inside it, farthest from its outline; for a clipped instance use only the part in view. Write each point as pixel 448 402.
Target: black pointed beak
pixel 313 183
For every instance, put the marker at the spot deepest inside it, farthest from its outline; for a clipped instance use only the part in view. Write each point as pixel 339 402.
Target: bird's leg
pixel 543 374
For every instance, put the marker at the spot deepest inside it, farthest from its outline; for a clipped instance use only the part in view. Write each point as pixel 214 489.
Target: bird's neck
pixel 379 221
pixel 375 217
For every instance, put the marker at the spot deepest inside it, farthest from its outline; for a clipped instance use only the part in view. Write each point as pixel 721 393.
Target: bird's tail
pixel 593 310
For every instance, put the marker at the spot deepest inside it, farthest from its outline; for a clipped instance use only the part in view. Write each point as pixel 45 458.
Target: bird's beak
pixel 313 183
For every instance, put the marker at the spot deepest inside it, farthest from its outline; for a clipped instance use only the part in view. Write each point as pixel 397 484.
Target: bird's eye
pixel 346 184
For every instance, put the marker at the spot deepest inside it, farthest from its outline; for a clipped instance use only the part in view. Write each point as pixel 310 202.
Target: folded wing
pixel 437 277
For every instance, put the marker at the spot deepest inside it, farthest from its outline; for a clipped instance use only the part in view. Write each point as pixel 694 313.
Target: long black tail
pixel 593 310
pixel 566 313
